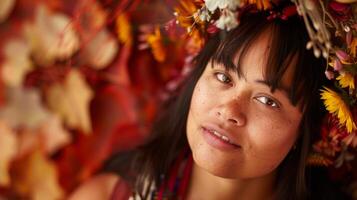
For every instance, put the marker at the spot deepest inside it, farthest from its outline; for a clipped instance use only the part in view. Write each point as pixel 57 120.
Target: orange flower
pixel 185 13
pixel 186 16
pixel 353 47
pixel 155 42
pixel 261 4
pixel 123 28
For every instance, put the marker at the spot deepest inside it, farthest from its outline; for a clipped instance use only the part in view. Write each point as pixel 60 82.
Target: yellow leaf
pixel 35 177
pixel 335 105
pixel 53 135
pixel 8 149
pixel 101 50
pixel 23 108
pixel 92 17
pixel 28 140
pixel 52 36
pixel 70 101
pixel 50 136
pixel 17 62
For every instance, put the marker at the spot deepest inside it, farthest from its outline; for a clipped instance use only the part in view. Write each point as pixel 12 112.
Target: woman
pixel 246 116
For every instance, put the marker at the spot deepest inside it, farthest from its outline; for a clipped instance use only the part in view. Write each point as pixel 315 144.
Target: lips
pixel 220 134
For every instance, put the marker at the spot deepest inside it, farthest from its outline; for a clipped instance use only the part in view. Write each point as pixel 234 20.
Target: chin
pixel 223 174
pixel 209 165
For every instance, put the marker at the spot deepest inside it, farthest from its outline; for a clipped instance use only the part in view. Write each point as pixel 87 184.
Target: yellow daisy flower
pixel 346 80
pixel 335 105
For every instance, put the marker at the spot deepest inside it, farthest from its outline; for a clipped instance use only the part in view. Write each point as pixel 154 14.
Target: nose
pixel 232 113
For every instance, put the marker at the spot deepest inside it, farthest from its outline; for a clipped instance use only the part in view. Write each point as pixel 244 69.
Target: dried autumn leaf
pixel 28 140
pixel 17 62
pixel 101 50
pixel 91 18
pixel 51 36
pixel 71 101
pixel 53 135
pixel 23 108
pixel 6 7
pixel 351 140
pixel 8 149
pixel 36 178
pixel 50 136
pixel 353 47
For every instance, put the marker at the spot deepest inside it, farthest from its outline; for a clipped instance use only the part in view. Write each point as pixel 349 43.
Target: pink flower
pixel 329 75
pixel 343 56
pixel 340 11
pixel 337 65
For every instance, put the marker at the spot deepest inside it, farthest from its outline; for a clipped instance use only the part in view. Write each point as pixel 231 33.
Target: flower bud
pixel 329 75
pixel 317 53
pixel 337 65
pixel 343 56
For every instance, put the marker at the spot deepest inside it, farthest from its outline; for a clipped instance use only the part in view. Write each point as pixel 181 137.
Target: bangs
pixel 286 49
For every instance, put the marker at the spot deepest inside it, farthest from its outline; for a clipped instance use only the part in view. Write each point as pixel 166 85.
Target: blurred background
pixel 79 81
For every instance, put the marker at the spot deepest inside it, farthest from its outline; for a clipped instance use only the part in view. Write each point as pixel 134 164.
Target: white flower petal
pixel 211 5
pixel 227 21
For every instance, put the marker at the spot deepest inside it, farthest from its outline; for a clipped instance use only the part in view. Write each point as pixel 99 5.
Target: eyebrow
pixel 283 89
pixel 280 88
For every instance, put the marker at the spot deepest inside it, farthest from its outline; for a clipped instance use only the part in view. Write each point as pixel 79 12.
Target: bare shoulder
pixel 98 187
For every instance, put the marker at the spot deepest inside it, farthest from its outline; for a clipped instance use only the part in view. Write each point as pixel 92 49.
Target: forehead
pixel 254 62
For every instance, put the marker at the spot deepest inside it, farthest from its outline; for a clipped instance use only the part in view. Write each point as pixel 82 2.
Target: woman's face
pixel 236 127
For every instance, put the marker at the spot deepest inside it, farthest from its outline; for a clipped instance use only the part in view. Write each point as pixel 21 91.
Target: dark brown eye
pixel 267 101
pixel 222 78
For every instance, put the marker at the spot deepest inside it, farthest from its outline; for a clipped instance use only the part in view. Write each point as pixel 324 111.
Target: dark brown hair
pixel 288 40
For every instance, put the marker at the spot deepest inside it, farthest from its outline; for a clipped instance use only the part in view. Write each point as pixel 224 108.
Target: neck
pixel 204 185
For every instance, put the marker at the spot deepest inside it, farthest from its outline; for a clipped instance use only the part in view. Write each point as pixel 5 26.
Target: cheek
pixel 201 98
pixel 201 102
pixel 197 102
pixel 270 140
